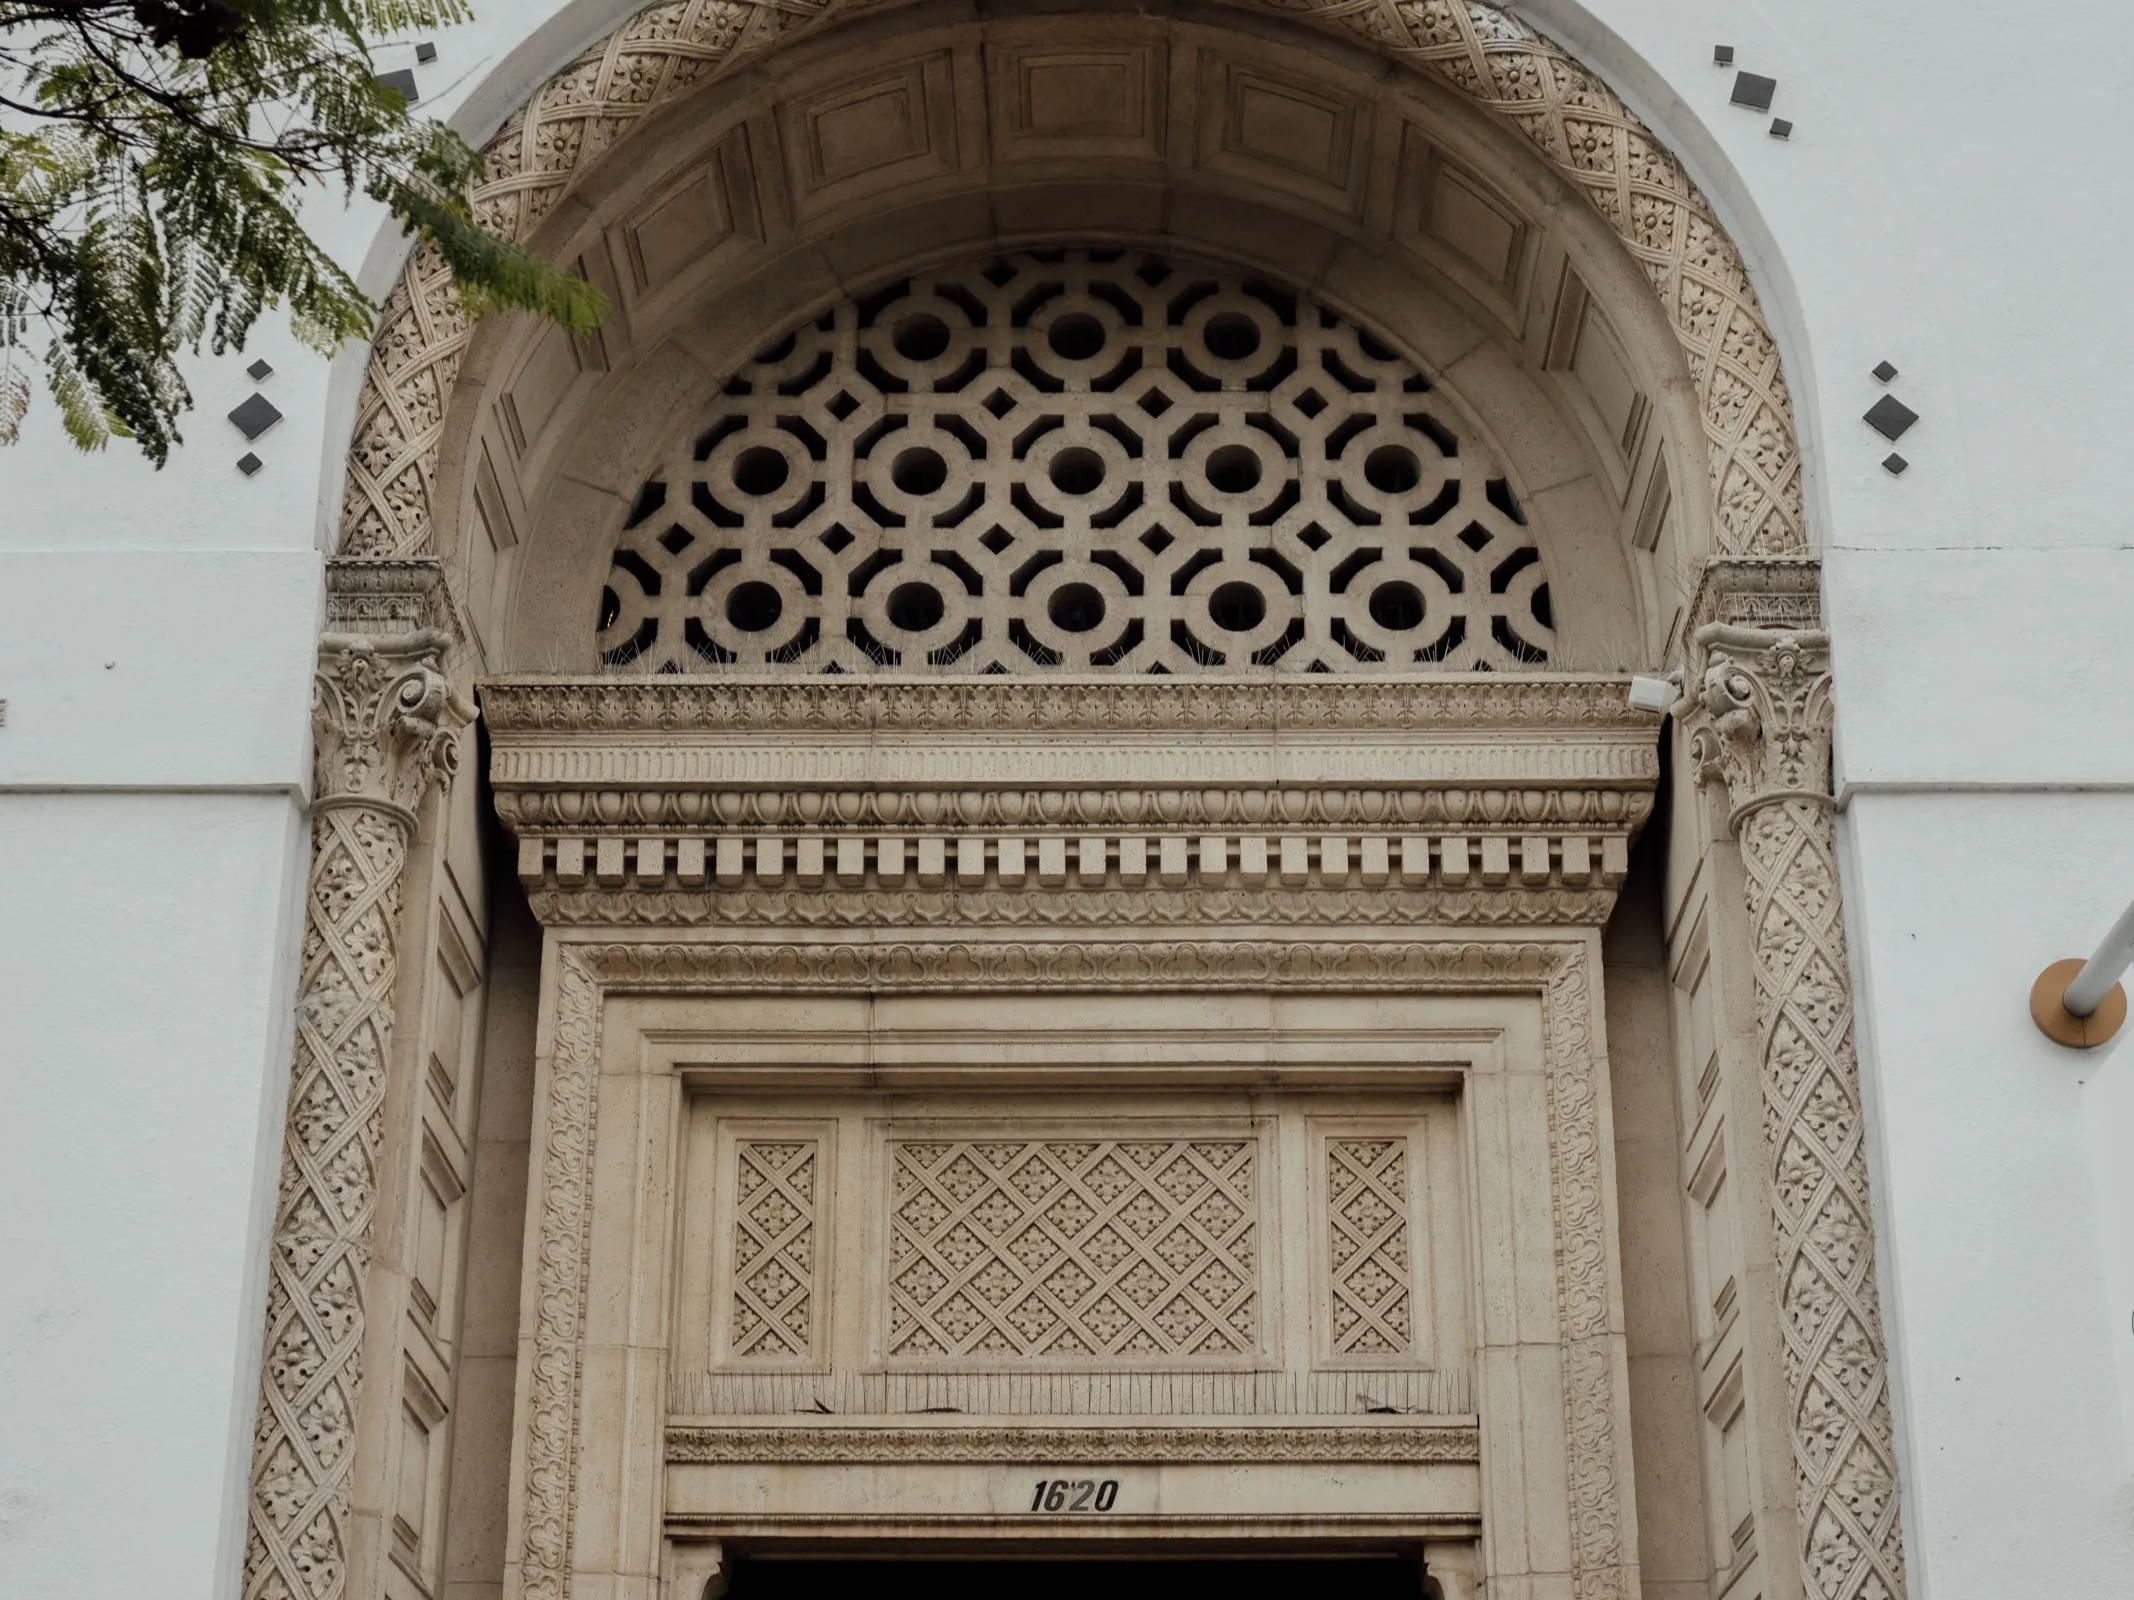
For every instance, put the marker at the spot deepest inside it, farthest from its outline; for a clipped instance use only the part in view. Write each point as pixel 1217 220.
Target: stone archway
pixel 1577 123
pixel 1764 709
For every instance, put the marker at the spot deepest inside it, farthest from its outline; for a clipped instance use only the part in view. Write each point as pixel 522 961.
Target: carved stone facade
pixel 1009 869
pixel 1759 713
pixel 382 730
pixel 1025 1249
pixel 1579 126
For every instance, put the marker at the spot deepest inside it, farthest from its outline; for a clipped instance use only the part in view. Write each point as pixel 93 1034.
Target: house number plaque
pixel 1068 1495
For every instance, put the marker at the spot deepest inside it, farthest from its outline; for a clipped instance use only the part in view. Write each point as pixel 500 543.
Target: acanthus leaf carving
pixel 380 724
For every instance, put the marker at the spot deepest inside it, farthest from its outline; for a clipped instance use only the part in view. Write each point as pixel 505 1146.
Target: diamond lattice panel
pixel 1082 461
pixel 1073 1249
pixel 774 1249
pixel 1370 1275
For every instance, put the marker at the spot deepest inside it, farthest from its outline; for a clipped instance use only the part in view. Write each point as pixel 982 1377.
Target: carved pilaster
pixel 1758 716
pixel 384 733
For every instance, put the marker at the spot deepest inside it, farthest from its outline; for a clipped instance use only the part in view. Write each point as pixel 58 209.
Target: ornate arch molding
pixel 1581 128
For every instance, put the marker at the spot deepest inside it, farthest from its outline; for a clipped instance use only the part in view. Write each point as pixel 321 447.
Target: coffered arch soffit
pixel 1377 188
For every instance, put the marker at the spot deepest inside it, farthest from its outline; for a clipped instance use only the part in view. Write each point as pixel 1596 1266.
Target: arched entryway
pixel 826 759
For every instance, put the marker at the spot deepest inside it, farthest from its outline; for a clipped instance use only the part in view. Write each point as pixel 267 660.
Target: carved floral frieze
pixel 1414 1440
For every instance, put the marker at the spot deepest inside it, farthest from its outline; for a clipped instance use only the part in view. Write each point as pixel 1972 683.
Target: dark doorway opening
pixel 1092 1578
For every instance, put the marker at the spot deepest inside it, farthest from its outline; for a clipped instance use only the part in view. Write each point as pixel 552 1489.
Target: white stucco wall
pixel 1953 199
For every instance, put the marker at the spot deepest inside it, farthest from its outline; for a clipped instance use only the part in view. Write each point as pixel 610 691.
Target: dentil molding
pixel 701 801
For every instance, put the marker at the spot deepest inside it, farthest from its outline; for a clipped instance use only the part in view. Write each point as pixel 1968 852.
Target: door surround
pixel 1442 850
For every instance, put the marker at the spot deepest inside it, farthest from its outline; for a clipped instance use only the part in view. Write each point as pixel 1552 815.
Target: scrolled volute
pixel 382 720
pixel 1759 714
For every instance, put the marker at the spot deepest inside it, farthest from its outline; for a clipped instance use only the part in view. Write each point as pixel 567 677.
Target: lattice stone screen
pixel 1073 1248
pixel 1081 461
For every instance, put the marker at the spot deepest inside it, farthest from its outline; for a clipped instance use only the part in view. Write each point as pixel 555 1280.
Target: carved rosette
pixel 383 736
pixel 1759 721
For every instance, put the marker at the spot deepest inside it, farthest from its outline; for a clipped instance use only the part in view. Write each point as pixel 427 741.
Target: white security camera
pixel 1655 694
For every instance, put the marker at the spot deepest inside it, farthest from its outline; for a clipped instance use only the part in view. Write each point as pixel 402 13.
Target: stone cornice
pixel 386 595
pixel 996 801
pixel 1767 592
pixel 1456 705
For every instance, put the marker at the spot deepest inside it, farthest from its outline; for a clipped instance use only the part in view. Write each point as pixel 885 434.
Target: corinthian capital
pixel 1759 713
pixel 379 720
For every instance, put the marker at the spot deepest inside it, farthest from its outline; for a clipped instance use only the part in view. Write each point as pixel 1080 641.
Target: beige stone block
pixel 689 865
pixel 1171 858
pixel 730 866
pixel 932 869
pixel 1090 854
pixel 1133 859
pixel 851 860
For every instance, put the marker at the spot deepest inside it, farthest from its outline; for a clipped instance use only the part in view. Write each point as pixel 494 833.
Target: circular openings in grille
pixel 919 470
pixel 1233 468
pixel 760 470
pixel 1392 469
pixel 1077 470
pixel 914 607
pixel 1231 336
pixel 1078 336
pixel 1075 607
pixel 1237 607
pixel 1397 607
pixel 920 337
pixel 754 606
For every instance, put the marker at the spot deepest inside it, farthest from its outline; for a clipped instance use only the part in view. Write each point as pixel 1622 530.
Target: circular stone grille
pixel 1082 461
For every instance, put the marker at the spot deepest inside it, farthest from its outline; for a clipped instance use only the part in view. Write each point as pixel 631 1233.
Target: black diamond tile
pixel 1894 464
pixel 1883 371
pixel 404 81
pixel 1753 90
pixel 1890 417
pixel 258 414
pixel 1781 128
pixel 259 370
pixel 1722 55
pixel 426 52
pixel 248 463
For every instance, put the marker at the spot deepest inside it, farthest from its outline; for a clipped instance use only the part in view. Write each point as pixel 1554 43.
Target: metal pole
pixel 2103 969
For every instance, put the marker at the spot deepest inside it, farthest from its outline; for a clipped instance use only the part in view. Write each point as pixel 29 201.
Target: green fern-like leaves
pixel 153 161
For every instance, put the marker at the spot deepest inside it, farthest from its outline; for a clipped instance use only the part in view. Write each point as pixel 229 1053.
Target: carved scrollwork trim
pixel 1454 705
pixel 1123 908
pixel 1419 1441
